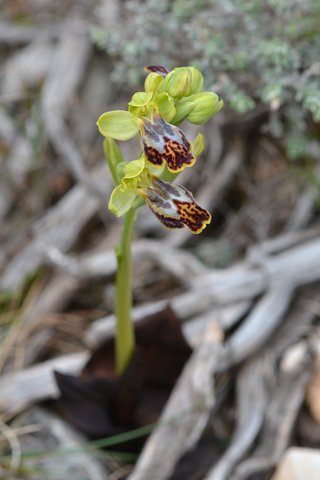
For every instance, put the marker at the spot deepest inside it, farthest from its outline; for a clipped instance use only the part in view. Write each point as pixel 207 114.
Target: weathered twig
pixel 281 414
pixel 190 404
pixel 60 227
pixel 252 401
pixel 20 389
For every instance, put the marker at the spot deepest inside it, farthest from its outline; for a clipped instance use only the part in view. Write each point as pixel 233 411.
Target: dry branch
pixel 190 404
pixel 20 389
pixel 59 227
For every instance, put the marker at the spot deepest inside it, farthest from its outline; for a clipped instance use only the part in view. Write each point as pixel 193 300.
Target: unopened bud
pixel 206 105
pixel 196 82
pixel 177 83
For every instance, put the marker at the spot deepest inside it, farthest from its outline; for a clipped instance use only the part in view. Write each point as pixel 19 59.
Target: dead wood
pixel 252 400
pixel 59 227
pixel 20 389
pixel 185 415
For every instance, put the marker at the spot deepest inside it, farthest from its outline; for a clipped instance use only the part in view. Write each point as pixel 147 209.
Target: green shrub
pixel 252 51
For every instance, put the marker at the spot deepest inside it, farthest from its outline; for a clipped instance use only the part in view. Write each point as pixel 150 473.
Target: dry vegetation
pixel 246 290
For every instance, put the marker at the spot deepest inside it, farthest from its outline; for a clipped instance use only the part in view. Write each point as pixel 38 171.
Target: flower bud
pixel 177 83
pixel 206 105
pixel 196 82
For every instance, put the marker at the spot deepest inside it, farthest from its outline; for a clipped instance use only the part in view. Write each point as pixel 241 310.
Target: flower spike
pixel 173 205
pixel 162 141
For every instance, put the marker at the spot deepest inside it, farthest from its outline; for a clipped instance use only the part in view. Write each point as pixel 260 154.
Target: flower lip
pixel 173 205
pixel 162 141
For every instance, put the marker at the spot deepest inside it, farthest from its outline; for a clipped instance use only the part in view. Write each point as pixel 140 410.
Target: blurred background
pixel 254 271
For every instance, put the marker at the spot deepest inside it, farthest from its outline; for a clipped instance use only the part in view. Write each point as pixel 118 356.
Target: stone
pixel 299 464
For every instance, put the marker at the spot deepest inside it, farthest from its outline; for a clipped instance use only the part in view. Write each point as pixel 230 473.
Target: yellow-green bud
pixel 177 83
pixel 206 105
pixel 196 82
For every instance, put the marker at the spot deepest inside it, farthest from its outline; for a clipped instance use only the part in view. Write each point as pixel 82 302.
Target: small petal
pixel 118 124
pixel 173 205
pixel 157 69
pixel 164 142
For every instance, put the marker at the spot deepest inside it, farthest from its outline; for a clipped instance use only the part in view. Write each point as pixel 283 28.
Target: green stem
pixel 125 341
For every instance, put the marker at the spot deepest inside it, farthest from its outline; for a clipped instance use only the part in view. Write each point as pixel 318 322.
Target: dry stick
pixel 257 327
pixel 280 418
pixel 66 437
pixel 36 383
pixel 181 264
pixel 194 388
pixel 298 266
pixel 13 34
pixel 19 389
pixel 305 205
pixel 277 412
pixel 60 226
pixel 64 77
pixel 251 404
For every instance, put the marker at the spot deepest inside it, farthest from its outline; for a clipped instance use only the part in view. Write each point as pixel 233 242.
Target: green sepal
pixel 165 106
pixel 114 157
pixel 121 201
pixel 153 83
pixel 196 82
pixel 182 110
pixel 118 124
pixel 198 145
pixel 206 105
pixel 140 99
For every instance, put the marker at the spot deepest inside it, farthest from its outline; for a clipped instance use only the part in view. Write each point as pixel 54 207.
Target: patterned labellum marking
pixel 157 69
pixel 174 206
pixel 164 142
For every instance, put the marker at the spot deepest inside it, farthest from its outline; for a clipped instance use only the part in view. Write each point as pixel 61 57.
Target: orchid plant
pixel 155 115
